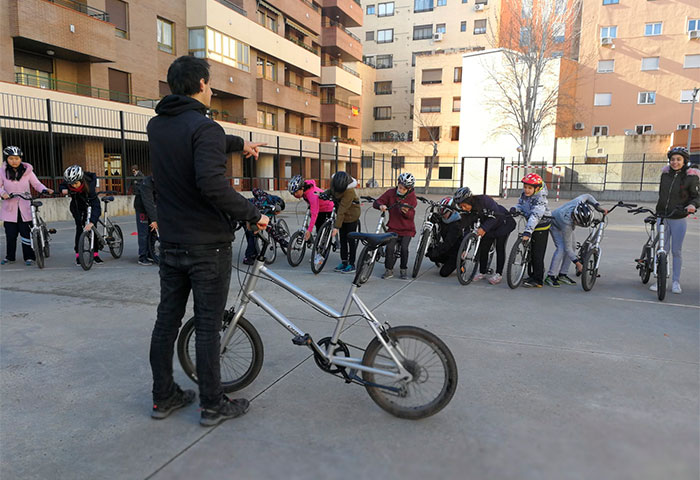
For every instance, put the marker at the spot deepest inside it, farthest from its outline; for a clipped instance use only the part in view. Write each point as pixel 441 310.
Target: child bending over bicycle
pixel 444 253
pixel 533 204
pixel 16 215
pixel 319 209
pixel 347 217
pixel 495 226
pixel 267 204
pixel 82 187
pixel 401 203
pixel 565 219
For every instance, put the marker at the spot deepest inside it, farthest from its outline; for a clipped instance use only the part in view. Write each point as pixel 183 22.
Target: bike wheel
pixel 661 271
pixel 517 263
pixel 430 362
pixel 270 253
pixel 38 248
pixel 646 266
pixel 492 255
pixel 241 360
pixel 45 234
pixel 85 253
pixel 322 247
pixel 589 273
pixel 367 259
pixel 296 249
pixel 283 234
pixel 116 244
pixel 420 253
pixel 154 246
pixel 467 261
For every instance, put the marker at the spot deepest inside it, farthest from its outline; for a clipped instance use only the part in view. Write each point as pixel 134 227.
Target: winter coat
pixel 147 193
pixel 87 197
pixel 493 217
pixel 8 213
pixel 196 203
pixel 401 223
pixel 316 205
pixel 562 216
pixel 678 189
pixel 348 205
pixel 534 207
pixel 451 235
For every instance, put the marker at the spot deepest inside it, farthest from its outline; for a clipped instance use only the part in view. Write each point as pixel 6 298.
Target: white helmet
pixel 73 174
pixel 407 180
pixel 295 183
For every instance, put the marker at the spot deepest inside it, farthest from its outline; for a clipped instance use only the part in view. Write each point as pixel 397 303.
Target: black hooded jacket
pixel 196 204
pixel 80 201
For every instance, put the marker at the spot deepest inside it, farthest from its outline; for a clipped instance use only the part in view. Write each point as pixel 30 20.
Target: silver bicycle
pixel 92 241
pixel 468 255
pixel 406 370
pixel 40 233
pixel 297 244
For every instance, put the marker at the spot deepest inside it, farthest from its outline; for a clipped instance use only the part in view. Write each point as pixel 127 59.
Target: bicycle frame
pixel 594 239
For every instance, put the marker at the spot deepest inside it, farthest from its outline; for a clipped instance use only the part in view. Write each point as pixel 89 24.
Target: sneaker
pixel 348 269
pixel 6 261
pixel 77 259
pixel 29 263
pixel 341 266
pixel 404 274
pixel 566 280
pixel 552 281
pixel 181 398
pixel 225 410
pixel 248 261
pixel 653 287
pixel 531 283
pixel 676 287
pixel 98 260
pixel 388 273
pixel 478 277
pixel 145 263
pixel 495 279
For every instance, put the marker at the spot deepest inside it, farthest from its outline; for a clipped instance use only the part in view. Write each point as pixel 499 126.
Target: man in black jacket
pixel 196 211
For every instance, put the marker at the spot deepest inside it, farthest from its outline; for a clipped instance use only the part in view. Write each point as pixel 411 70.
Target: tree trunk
pixel 430 169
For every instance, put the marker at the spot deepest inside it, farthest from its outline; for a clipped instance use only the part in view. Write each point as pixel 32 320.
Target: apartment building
pixel 279 68
pixel 639 63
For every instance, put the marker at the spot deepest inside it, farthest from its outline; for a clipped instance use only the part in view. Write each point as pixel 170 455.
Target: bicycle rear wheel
pixel 38 248
pixel 420 253
pixel 322 248
pixel 116 244
pixel 283 234
pixel 467 261
pixel 430 362
pixel 271 252
pixel 492 255
pixel 296 249
pixel 85 252
pixel 154 246
pixel 367 260
pixel 589 273
pixel 517 263
pixel 45 235
pixel 661 271
pixel 645 265
pixel 241 360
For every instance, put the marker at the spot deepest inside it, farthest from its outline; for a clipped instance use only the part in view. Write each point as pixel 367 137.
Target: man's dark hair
pixel 184 75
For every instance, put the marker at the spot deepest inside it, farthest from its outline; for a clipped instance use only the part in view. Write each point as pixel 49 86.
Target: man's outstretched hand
pixel 251 149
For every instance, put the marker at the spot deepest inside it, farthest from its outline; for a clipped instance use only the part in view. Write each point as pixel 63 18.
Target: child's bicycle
pixel 468 255
pixel 92 241
pixel 429 235
pixel 407 371
pixel 324 241
pixel 40 233
pixel 654 256
pixel 297 245
pixel 589 251
pixel 280 236
pixel 520 257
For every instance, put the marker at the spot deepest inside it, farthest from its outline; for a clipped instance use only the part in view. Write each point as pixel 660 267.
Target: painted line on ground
pixel 653 302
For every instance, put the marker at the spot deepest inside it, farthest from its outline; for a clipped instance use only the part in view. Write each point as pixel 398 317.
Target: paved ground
pixel 554 383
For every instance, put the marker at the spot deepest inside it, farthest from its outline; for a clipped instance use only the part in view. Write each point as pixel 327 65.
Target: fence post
pixel 382 170
pixel 320 165
pixel 500 181
pixel 123 145
pixel 276 177
pixel 605 173
pixel 641 179
pixel 571 174
pixel 374 177
pixel 486 173
pixel 52 154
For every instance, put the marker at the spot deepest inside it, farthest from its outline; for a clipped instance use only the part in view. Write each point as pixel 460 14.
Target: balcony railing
pixel 327 22
pixel 312 5
pixel 336 139
pixel 300 88
pixel 82 8
pixel 297 131
pixel 233 6
pixel 335 63
pixel 303 45
pixel 85 90
pixel 333 101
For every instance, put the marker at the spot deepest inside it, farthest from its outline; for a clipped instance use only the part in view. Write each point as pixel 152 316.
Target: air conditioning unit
pixel 578 126
pixel 606 41
pixel 630 132
pixel 437 37
pixel 694 34
pixel 478 7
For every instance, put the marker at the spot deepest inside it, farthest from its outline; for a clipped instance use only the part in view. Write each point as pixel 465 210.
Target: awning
pixel 270 7
pixel 298 27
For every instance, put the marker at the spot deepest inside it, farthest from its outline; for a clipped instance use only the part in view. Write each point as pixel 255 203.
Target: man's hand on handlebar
pixel 690 208
pixel 383 208
pixel 5 196
pixel 262 223
pixel 89 226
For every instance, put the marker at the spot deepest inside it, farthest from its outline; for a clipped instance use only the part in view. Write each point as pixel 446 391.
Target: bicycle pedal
pixel 109 239
pixel 302 340
pixel 52 231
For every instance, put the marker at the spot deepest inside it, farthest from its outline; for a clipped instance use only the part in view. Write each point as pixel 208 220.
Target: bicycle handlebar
pixel 637 211
pixel 28 196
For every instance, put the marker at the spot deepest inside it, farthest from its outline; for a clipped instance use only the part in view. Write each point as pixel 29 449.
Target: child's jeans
pixel 564 242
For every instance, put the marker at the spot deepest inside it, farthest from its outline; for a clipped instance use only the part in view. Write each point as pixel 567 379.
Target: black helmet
pixel 582 215
pixel 12 151
pixel 462 195
pixel 682 151
pixel 340 182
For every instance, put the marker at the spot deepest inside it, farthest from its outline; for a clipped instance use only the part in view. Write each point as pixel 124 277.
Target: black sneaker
pixel 77 260
pixel 248 261
pixel 225 410
pixel 531 283
pixel 551 281
pixel 98 260
pixel 178 400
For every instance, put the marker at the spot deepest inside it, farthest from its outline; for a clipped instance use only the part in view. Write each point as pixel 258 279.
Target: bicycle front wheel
pixel 241 360
pixel 467 261
pixel 645 264
pixel 45 234
pixel 367 260
pixel 85 253
pixel 116 242
pixel 322 248
pixel 283 234
pixel 154 246
pixel 296 249
pixel 422 250
pixel 590 268
pixel 517 263
pixel 430 362
pixel 271 252
pixel 38 248
pixel 661 272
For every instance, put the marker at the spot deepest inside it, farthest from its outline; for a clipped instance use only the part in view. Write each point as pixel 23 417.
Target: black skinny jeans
pixel 206 271
pixel 500 236
pixel 402 243
pixel 23 229
pixel 539 248
pixel 348 248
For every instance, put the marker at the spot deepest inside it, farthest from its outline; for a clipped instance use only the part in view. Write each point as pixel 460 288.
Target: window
pixel 398 161
pixel 445 173
pixel 606 66
pixel 431 76
pixel 559 32
pixel 652 29
pixel 610 2
pixel 608 32
pixel 479 27
pixel 368 60
pixel 650 63
pixel 456 104
pixel 642 129
pixel 686 96
pixel 32 76
pixel 369 36
pixel 422 6
pixel 219 47
pixel 164 35
pixel 691 61
pixel 693 24
pixel 163 89
pixel 410 112
pixel 119 85
pixel 600 131
pixel 441 3
pixel 454 133
pixel 367 161
pixel 382 113
pixel 382 88
pixel 267 18
pixel 370 10
pixel 430 105
pixel 464 1
pixel 413 85
pixel 457 75
pixel 118 15
pixel 524 36
pixel 422 32
pixel 267 119
pixel 685 126
pixel 428 158
pixel 646 98
pixel 385 61
pixel 440 28
pixel 385 9
pixel 559 7
pixel 526 8
pixel 463 26
pixel 429 134
pixel 385 36
pixel 267 69
pixel 602 99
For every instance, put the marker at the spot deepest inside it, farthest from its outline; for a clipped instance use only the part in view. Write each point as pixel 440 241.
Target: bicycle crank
pixel 323 363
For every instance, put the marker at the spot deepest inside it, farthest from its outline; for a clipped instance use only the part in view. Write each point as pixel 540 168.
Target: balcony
pixel 339 42
pixel 292 97
pixel 72 30
pixel 340 113
pixel 333 73
pixel 230 80
pixel 304 12
pixel 348 12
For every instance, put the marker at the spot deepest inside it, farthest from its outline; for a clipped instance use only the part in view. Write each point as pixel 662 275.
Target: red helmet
pixel 445 205
pixel 533 179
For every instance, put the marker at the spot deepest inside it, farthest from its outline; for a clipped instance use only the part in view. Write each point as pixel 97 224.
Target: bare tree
pixel 528 89
pixel 429 122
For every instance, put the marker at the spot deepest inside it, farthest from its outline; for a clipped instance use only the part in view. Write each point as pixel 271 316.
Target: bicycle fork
pixel 660 245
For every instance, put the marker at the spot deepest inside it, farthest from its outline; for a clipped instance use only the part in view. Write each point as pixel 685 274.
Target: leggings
pixel 484 248
pixel 539 248
pixel 675 233
pixel 402 243
pixel 12 229
pixel 348 248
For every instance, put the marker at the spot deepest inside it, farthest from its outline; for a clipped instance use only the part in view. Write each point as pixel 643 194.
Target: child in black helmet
pixel 347 218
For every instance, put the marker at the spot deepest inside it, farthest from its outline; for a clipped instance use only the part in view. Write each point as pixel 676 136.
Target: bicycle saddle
pixel 372 240
pixel 107 199
pixel 650 219
pixel 37 203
